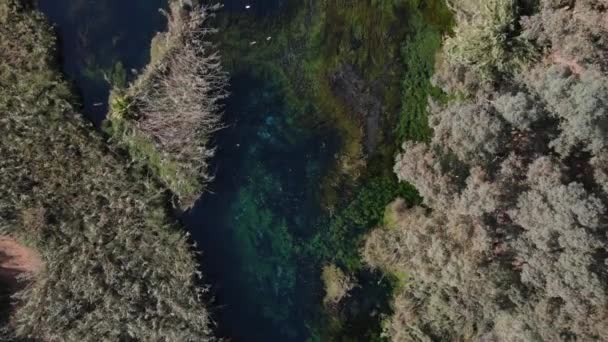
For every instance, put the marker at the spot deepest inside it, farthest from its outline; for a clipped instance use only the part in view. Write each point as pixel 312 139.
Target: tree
pixel 420 166
pixel 473 131
pixel 512 243
pixel 519 109
pixel 580 102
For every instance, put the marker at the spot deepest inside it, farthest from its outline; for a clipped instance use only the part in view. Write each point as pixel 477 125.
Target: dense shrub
pixel 580 102
pixel 116 265
pixel 173 108
pixel 512 243
pixel 486 37
pixel 337 284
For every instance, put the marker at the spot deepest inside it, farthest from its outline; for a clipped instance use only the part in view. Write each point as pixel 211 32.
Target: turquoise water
pixel 263 209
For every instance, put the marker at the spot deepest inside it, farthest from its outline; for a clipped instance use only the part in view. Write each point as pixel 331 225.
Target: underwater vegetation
pixel 261 210
pixel 316 51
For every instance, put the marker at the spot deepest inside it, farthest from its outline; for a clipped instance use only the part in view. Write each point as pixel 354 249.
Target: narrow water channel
pixel 262 206
pixel 103 42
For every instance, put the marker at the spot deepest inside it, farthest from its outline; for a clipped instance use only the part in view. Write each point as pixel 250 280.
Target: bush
pixel 337 284
pixel 176 104
pixel 486 37
pixel 512 244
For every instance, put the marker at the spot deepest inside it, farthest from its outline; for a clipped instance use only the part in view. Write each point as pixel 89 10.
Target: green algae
pixel 394 41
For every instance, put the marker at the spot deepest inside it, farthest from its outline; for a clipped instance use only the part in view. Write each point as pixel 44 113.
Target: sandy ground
pixel 16 259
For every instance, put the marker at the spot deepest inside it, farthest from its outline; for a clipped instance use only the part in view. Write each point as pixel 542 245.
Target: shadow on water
pixel 102 42
pixel 263 206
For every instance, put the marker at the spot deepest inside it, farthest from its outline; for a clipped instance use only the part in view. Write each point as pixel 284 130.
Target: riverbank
pixel 113 253
pixel 303 166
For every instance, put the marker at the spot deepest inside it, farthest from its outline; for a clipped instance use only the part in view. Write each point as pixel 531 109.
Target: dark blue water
pixel 263 207
pixel 103 42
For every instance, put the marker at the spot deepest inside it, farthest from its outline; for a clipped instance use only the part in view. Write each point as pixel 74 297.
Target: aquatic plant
pixel 264 241
pixel 418 53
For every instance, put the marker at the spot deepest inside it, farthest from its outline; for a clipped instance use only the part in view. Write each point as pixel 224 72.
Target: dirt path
pixel 16 259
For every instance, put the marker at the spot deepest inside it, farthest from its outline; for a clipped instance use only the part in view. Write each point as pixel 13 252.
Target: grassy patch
pixel 418 55
pixel 147 155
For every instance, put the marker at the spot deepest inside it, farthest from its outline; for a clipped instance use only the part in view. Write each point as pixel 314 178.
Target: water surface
pixel 103 42
pixel 263 208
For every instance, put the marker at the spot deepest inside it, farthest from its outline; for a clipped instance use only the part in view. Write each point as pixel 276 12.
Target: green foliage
pixel 117 266
pixel 418 53
pixel 364 211
pixel 487 37
pixel 120 105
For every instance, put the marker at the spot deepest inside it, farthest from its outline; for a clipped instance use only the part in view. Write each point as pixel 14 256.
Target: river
pixel 264 202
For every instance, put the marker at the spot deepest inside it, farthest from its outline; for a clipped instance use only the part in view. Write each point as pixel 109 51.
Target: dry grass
pixel 172 110
pixel 117 265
